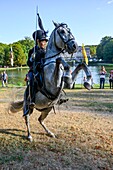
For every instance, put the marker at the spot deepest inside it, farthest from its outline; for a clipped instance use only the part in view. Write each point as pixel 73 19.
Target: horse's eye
pixel 62 32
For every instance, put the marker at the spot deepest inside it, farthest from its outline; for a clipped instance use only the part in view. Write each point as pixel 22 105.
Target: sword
pixel 35 43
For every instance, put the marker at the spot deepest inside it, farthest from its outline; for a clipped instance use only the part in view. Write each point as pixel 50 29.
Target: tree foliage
pixel 108 51
pixel 7 56
pixel 26 44
pixel 104 50
pixel 20 52
pixel 93 50
pixel 2 53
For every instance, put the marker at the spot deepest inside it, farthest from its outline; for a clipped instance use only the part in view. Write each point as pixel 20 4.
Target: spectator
pixel 84 79
pixel 102 77
pixel 1 76
pixel 4 79
pixel 111 79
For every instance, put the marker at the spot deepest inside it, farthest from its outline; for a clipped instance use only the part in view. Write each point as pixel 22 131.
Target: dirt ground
pixel 83 127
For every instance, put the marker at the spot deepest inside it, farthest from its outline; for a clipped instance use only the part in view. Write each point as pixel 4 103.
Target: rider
pixel 35 56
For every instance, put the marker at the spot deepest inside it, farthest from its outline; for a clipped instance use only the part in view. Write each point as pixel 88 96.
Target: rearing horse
pixel 55 70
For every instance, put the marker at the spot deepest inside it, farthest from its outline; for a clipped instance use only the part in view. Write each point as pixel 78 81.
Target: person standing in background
pixel 4 79
pixel 111 79
pixel 102 77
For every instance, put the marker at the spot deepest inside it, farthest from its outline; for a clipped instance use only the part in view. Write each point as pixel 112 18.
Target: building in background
pixel 79 56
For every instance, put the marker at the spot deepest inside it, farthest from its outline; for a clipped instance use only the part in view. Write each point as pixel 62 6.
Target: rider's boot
pixel 28 109
pixel 32 98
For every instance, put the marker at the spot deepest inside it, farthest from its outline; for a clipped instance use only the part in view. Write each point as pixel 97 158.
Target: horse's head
pixel 64 39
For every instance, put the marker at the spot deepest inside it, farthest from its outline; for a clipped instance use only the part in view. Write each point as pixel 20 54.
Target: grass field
pixel 83 128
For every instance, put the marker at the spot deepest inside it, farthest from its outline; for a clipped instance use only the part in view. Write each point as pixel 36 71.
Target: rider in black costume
pixel 35 59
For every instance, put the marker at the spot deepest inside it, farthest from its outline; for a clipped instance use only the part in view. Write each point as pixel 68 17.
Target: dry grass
pixel 84 130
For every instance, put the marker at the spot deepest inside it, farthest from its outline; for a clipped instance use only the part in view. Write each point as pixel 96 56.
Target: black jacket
pixel 40 55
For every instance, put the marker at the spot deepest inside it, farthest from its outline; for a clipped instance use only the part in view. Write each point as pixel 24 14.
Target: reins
pixel 54 55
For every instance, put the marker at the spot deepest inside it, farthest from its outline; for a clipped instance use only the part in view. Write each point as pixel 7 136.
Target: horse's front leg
pixel 41 120
pixel 83 66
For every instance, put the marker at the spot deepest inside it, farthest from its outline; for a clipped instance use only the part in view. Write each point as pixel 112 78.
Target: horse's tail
pixel 16 106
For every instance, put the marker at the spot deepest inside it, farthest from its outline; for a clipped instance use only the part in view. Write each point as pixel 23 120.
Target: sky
pixel 89 20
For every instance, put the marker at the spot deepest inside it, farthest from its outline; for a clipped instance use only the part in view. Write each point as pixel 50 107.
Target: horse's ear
pixel 55 24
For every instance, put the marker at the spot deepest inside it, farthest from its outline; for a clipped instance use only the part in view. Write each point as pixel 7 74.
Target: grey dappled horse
pixel 55 73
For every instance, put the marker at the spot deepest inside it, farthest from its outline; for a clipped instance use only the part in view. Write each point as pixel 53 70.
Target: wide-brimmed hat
pixel 40 34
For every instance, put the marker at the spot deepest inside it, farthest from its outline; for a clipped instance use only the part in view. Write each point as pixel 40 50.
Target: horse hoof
pixel 52 135
pixel 87 86
pixel 30 138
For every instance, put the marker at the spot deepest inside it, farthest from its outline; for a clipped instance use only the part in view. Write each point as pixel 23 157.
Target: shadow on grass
pixel 12 132
pixel 16 133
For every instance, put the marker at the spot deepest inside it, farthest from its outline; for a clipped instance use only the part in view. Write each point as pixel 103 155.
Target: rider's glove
pixel 33 56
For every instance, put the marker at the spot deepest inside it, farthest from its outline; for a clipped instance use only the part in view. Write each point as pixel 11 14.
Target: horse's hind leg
pixel 28 127
pixel 41 119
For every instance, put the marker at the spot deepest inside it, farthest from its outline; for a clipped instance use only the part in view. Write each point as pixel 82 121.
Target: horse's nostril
pixel 74 46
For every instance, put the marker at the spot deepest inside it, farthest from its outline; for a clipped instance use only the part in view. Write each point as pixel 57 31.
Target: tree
pixel 19 55
pixel 7 56
pixel 2 53
pixel 108 51
pixel 101 49
pixel 99 52
pixel 26 44
pixel 105 39
pixel 93 50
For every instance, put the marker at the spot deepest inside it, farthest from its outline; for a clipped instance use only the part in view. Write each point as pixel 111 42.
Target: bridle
pixel 62 38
